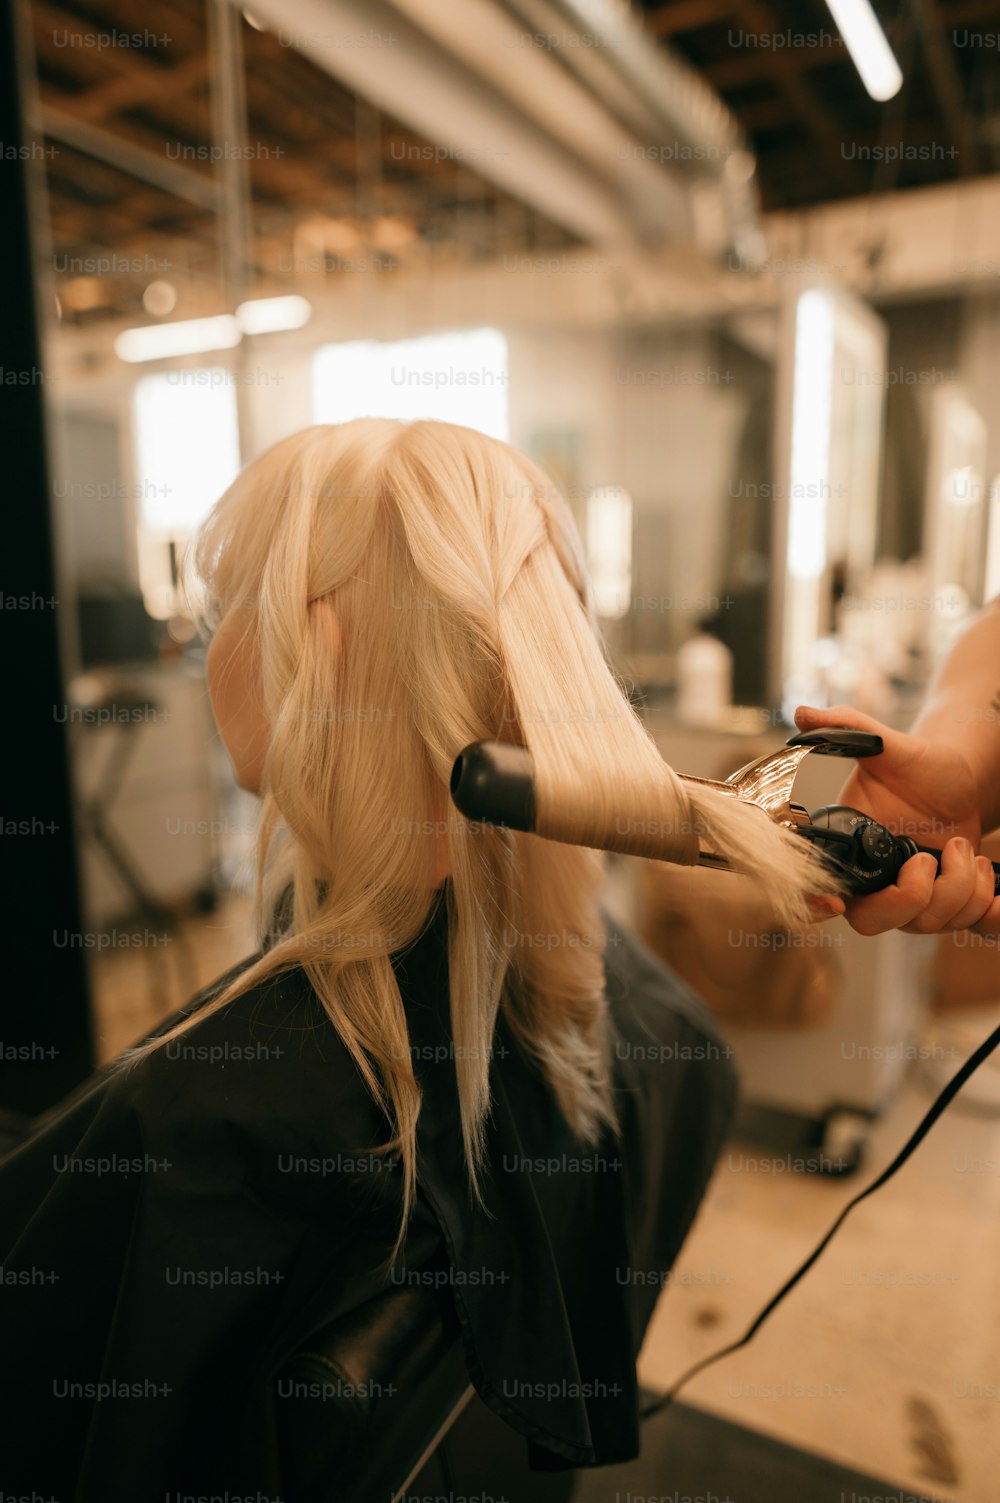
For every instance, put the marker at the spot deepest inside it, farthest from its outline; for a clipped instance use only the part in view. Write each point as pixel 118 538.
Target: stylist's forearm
pixel 962 707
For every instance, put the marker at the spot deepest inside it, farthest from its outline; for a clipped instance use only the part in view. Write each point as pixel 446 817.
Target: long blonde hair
pixel 453 567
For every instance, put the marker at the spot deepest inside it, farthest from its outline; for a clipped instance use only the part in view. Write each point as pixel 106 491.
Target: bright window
pixel 455 378
pixel 187 447
pixel 187 452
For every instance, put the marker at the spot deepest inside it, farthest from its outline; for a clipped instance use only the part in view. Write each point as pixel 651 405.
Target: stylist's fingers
pixel 990 921
pixel 979 905
pixel 954 889
pixel 899 750
pixel 895 906
pixel 824 906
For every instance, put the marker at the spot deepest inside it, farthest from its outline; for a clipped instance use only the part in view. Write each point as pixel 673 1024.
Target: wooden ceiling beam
pixel 100 103
pixel 767 114
pixel 763 64
pixel 947 85
pixel 748 68
pixel 185 30
pixel 165 95
pixel 115 225
pixel 127 156
pixel 278 188
pixel 686 15
pixel 968 12
pixel 922 131
pixel 290 177
pixel 94 63
pixel 824 128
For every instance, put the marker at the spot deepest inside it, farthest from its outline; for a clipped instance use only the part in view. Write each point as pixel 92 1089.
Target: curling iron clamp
pixel 493 782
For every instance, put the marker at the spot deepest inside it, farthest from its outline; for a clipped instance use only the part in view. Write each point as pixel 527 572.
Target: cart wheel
pixel 205 900
pixel 843 1142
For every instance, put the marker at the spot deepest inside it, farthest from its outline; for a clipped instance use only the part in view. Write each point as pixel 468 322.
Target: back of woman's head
pixel 406 590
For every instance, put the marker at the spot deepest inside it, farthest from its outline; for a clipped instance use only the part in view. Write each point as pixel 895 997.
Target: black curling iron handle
pixel 927 850
pixel 865 854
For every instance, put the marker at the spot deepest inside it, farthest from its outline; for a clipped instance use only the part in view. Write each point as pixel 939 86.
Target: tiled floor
pixel 886 1358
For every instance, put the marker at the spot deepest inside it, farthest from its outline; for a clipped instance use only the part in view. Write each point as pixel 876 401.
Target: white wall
pixel 655 411
pixel 660 414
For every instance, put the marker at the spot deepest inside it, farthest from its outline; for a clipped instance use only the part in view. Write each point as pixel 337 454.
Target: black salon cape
pixel 171 1233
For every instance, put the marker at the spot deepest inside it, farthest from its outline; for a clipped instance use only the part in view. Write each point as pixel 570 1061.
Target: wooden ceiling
pixel 781 68
pixel 336 185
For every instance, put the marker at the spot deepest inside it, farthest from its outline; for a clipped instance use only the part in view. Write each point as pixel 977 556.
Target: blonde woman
pixel 444 1053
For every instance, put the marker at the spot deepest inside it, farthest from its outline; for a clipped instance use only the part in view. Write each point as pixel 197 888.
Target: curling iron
pixel 493 782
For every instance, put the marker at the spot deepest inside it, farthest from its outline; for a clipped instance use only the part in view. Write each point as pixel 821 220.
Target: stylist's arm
pixel 939 784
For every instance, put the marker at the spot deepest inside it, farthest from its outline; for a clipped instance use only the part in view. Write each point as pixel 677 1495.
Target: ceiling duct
pixel 623 146
pixel 665 102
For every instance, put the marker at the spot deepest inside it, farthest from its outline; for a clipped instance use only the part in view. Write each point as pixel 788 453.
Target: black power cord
pixel 944 1100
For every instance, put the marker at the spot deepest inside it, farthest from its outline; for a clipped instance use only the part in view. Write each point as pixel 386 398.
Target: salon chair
pixel 423 1427
pixel 397 1371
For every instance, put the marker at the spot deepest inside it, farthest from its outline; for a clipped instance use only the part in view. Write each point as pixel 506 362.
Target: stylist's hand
pixel 927 790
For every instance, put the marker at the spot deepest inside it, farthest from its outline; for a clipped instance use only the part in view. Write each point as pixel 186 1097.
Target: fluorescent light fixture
pixel 268 315
pixel 812 413
pixel 866 42
pixel 192 336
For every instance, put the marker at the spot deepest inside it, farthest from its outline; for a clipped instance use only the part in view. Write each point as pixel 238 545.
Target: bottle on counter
pixel 704 680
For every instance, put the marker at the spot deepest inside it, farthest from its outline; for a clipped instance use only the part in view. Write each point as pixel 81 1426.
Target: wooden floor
pixel 133 988
pixel 886 1359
